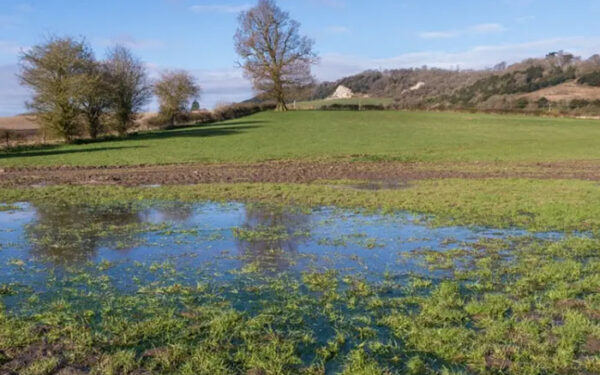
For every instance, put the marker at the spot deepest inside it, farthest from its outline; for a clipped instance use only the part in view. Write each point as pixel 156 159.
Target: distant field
pixel 23 125
pixel 316 104
pixel 309 135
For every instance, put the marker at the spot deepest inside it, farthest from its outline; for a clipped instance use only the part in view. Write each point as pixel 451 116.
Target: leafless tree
pixel 175 90
pixel 274 55
pixel 130 87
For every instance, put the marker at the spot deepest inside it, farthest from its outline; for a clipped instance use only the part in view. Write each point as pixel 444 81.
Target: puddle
pixel 315 278
pixel 216 242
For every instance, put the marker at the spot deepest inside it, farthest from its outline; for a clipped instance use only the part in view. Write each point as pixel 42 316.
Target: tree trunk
pixel 279 95
pixel 281 106
pixel 94 127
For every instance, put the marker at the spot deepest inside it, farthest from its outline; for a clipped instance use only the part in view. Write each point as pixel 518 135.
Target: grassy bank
pixel 540 205
pixel 403 136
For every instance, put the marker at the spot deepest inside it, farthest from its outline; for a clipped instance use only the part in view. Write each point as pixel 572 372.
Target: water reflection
pixel 219 238
pixel 279 231
pixel 169 212
pixel 73 234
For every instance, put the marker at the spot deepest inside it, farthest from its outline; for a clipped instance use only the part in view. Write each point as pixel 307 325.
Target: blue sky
pixel 351 35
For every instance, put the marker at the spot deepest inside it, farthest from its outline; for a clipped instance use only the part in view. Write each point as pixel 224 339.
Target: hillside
pixel 556 80
pixel 565 92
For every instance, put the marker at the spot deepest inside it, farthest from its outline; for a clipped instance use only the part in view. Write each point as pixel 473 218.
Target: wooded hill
pixel 503 87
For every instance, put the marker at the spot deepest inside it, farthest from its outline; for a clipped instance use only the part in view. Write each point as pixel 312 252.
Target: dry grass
pixel 566 92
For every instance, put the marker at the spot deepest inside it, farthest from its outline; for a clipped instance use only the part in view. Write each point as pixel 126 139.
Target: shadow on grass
pixel 200 131
pixel 196 131
pixel 54 150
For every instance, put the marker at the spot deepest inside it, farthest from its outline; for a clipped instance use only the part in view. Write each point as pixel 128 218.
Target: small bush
pixel 6 136
pixel 543 103
pixel 222 113
pixel 590 79
pixel 522 103
pixel 352 107
pixel 233 111
pixel 578 103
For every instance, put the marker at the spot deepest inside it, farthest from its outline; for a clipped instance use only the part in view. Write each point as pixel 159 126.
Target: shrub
pixel 543 103
pixel 590 79
pixel 578 103
pixel 5 137
pixel 522 103
pixel 352 107
pixel 234 111
pixel 222 113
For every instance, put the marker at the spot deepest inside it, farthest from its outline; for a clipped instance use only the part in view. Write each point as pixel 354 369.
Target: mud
pixel 292 172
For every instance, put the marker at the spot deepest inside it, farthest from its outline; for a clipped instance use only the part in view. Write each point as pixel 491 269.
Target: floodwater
pixel 40 245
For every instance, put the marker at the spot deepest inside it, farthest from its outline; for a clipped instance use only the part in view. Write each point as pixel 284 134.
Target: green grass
pixel 316 104
pixel 538 205
pixel 406 136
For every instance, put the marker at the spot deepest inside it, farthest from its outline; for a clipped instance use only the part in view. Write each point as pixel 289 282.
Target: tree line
pixel 75 94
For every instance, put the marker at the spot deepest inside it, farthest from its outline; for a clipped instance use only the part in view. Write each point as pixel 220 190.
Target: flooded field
pixel 169 287
pixel 213 243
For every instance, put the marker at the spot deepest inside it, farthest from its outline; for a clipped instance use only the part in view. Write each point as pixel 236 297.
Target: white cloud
pixel 335 66
pixel 438 34
pixel 10 48
pixel 25 8
pixel 485 28
pixel 525 19
pixel 12 94
pixel 330 3
pixel 220 8
pixel 131 42
pixel 482 28
pixel 338 30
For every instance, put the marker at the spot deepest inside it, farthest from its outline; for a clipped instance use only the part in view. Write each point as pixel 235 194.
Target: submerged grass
pixel 502 306
pixel 537 205
pixel 517 306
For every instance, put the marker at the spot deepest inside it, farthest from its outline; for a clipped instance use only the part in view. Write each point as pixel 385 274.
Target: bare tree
pixel 175 90
pixel 130 87
pixel 56 72
pixel 274 55
pixel 96 97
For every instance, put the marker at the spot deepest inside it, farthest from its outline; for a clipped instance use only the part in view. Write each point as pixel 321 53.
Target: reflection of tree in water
pixel 276 253
pixel 71 234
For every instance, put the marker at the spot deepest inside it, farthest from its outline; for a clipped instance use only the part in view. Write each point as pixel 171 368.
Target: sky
pixel 350 35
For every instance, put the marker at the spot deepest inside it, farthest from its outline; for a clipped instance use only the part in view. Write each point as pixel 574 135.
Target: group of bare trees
pixel 75 94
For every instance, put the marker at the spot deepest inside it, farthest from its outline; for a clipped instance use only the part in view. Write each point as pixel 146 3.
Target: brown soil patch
pixel 291 172
pixel 27 356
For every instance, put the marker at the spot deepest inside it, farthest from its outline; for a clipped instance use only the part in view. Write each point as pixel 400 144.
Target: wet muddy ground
pixel 293 172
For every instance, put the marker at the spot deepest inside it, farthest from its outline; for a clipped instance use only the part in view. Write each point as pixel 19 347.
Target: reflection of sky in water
pixel 199 241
